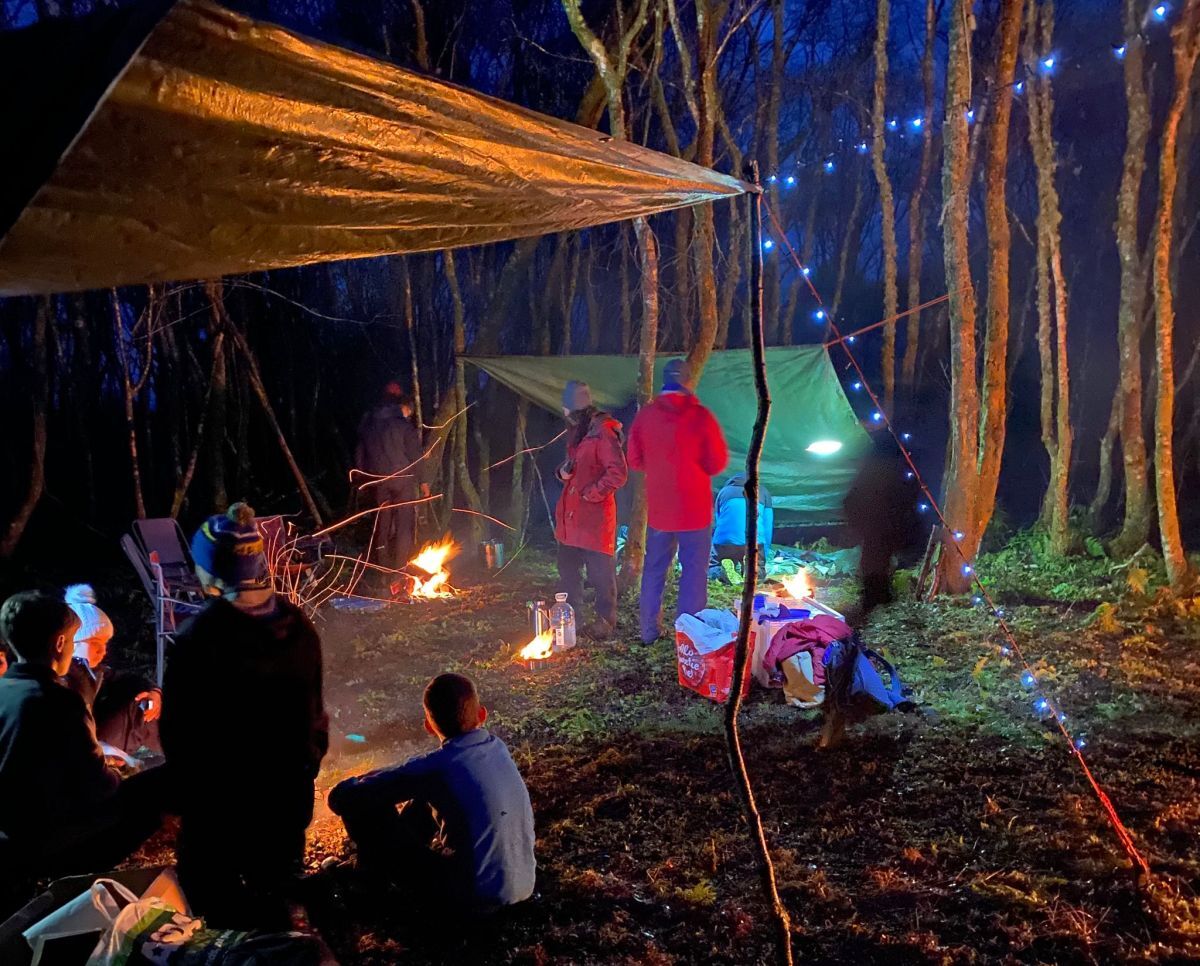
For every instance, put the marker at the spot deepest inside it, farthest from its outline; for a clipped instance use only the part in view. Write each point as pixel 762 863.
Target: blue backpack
pixel 854 683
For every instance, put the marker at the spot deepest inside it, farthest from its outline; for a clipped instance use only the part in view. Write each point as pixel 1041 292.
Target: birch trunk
pixel 887 204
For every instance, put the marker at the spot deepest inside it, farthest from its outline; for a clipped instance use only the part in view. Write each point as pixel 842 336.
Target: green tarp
pixel 808 409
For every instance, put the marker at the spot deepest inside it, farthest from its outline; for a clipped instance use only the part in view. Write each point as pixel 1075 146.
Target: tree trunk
pixel 1105 465
pixel 218 396
pixel 1135 529
pixel 185 480
pixel 1185 38
pixel 516 496
pixel 916 212
pixel 635 541
pixel 127 394
pixel 410 328
pixel 964 390
pixel 771 271
pixel 40 402
pixel 887 204
pixel 994 414
pixel 1052 293
pixel 462 468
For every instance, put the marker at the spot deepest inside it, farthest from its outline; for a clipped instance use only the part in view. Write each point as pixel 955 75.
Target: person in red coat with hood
pixel 679 445
pixel 586 516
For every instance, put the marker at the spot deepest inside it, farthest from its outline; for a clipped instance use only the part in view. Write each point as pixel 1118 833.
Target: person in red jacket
pixel 586 516
pixel 679 445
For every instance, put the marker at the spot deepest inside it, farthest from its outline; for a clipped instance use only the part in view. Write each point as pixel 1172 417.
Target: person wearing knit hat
pixel 229 554
pixel 244 730
pixel 585 519
pixel 124 705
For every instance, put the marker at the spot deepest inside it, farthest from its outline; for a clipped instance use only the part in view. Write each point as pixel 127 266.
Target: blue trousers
pixel 693 547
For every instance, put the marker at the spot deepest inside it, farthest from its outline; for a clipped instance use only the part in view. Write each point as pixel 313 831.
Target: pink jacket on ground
pixel 812 635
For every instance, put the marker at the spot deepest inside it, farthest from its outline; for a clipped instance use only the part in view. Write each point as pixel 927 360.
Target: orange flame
pixel 432 559
pixel 797 585
pixel 540 648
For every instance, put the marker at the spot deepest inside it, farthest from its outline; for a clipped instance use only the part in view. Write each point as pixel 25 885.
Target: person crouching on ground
pixel 586 515
pixel 62 808
pixel 125 707
pixel 679 445
pixel 454 825
pixel 729 531
pixel 244 730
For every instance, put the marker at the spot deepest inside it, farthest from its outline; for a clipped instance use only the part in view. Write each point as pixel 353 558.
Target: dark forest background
pixel 175 399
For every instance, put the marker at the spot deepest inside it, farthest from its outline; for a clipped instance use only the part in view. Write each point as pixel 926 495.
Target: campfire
pixel 539 649
pixel 797 586
pixel 432 562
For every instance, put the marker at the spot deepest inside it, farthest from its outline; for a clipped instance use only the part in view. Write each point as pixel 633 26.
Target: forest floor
pixel 965 834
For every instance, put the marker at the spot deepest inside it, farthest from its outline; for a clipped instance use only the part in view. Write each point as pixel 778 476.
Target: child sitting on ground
pixel 62 808
pixel 125 706
pixel 457 821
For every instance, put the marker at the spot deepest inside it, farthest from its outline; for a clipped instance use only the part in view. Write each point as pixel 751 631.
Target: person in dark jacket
pixel 125 706
pixel 586 515
pixel 389 455
pixel 881 515
pixel 679 445
pixel 454 825
pixel 62 808
pixel 729 531
pixel 244 730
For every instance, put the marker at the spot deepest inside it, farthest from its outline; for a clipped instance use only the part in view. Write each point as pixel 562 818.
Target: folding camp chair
pixel 172 600
pixel 163 536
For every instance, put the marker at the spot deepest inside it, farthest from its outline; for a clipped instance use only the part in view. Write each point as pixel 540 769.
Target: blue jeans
pixel 693 547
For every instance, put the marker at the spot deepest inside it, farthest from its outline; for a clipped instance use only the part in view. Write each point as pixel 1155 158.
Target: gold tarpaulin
pixel 229 145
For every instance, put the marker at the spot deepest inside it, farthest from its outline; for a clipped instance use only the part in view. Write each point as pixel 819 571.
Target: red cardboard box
pixel 708 672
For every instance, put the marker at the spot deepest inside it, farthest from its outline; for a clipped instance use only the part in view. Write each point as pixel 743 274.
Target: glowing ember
pixel 796 586
pixel 540 648
pixel 432 560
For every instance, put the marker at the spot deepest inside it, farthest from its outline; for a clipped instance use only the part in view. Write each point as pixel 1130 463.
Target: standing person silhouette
pixel 679 445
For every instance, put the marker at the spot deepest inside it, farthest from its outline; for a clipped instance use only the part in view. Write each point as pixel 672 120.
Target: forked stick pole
pixel 733 706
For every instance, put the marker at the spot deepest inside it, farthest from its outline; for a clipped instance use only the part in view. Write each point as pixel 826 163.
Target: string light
pixel 877 417
pixel 906 437
pixel 1119 51
pixel 910 475
pixel 819 315
pixel 1161 11
pixel 967 570
pixel 917 123
pixel 1048 64
pixel 971 116
pixel 922 507
pixel 829 165
pixel 958 534
pixel 772 179
pixel 977 600
pixel 1006 651
pixel 1028 680
pixel 856 386
pixel 862 147
pixel 768 244
pixel 1019 87
pixel 893 124
pixel 806 271
pixel 851 339
pixel 1080 742
pixel 1041 705
pixel 791 180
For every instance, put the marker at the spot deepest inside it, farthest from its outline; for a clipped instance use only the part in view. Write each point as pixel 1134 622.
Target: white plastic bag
pixel 709 630
pixel 150 926
pixel 90 911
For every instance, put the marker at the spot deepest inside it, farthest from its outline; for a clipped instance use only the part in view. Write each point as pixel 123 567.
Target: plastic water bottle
pixel 562 623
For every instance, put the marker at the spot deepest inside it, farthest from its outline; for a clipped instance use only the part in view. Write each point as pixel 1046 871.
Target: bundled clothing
pixel 244 730
pixel 469 794
pixel 62 808
pixel 679 445
pixel 729 531
pixel 388 442
pixel 586 515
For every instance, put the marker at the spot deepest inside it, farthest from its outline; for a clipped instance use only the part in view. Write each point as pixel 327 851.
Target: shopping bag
pixel 147 923
pixel 91 911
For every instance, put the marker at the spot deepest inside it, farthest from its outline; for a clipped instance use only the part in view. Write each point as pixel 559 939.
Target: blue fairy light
pixel 819 315
pixel 772 179
pixel 1019 87
pixel 861 147
pixel 1161 11
pixel 917 123
pixel 791 180
pixel 1119 51
pixel 922 507
pixel 971 116
pixel 1080 743
pixel 1028 680
pixel 829 165
pixel 1041 705
pixel 976 600
pixel 893 124
pixel 958 534
pixel 806 271
pixel 877 417
pixel 1061 717
pixel 968 570
pixel 907 437
pixel 768 245
pixel 999 611
pixel 851 339
pixel 910 475
pixel 856 386
pixel 1048 63
pixel 1006 651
